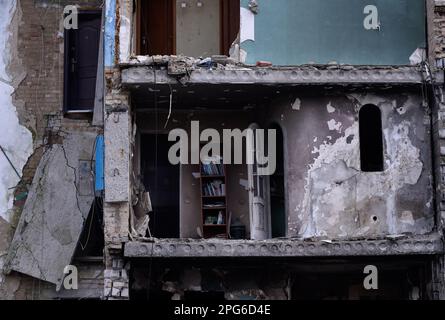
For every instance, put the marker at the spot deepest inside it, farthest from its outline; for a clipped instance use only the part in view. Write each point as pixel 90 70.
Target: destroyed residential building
pixel 354 94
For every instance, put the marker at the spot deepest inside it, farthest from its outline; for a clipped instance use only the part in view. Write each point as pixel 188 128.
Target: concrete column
pixel 118 137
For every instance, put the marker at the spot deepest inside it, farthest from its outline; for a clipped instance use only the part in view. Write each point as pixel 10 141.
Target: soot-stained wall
pixel 327 193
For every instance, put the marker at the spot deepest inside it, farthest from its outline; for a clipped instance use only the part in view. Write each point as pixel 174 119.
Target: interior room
pixel 186 27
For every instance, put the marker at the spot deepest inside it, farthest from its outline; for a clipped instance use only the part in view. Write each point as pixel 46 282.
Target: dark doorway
pixel 277 206
pixel 157 27
pixel 371 139
pixel 161 179
pixel 81 60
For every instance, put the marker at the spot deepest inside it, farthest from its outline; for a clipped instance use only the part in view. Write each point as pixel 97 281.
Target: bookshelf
pixel 213 199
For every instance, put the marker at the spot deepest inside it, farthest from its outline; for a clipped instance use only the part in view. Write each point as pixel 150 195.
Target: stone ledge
pixel 184 248
pixel 338 75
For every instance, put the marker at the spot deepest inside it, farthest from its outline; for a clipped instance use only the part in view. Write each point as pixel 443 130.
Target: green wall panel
pixel 295 32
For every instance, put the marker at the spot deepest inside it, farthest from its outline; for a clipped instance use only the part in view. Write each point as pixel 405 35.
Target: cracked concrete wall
pixel 55 211
pixel 328 194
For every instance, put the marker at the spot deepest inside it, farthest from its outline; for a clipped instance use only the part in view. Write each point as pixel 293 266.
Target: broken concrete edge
pixel 221 62
pixel 138 75
pixel 439 3
pixel 184 248
pixel 228 63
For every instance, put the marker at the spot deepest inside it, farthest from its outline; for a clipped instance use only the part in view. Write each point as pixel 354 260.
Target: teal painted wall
pixel 295 32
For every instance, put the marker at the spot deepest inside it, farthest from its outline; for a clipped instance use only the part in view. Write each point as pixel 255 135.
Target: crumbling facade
pixel 47 178
pixel 359 152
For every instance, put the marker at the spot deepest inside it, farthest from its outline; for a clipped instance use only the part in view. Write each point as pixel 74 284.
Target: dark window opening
pixel 81 61
pixel 371 139
pixel 161 180
pixel 191 28
pixel 277 206
pixel 91 241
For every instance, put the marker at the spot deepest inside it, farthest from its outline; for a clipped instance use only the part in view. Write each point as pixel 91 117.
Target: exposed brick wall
pixel 39 98
pixel 116 281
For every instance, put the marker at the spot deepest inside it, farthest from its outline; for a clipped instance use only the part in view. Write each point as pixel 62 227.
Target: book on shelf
pixel 214 189
pixel 215 219
pixel 213 168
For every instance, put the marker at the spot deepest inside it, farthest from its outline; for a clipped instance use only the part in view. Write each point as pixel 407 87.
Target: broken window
pixel 191 28
pixel 81 62
pixel 371 139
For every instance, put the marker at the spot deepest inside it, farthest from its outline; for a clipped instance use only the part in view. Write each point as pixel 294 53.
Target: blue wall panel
pixel 100 164
pixel 110 31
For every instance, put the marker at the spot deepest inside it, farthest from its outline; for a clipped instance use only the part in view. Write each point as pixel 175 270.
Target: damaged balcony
pixel 185 248
pixel 176 225
pixel 170 70
pixel 231 41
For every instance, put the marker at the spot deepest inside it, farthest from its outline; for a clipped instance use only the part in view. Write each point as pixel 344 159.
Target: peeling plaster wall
pixel 16 140
pixel 328 194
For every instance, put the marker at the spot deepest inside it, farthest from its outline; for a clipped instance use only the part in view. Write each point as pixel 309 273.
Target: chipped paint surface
pixel 337 191
pixel 334 125
pixel 330 108
pixel 329 195
pixel 15 139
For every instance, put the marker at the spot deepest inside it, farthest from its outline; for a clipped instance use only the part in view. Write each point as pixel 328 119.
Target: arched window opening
pixel 371 139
